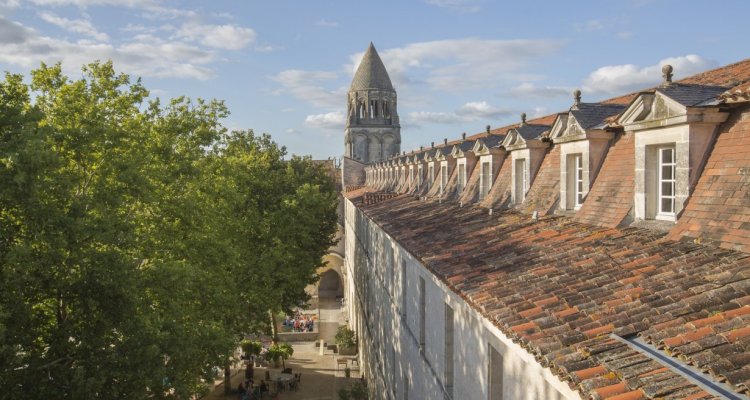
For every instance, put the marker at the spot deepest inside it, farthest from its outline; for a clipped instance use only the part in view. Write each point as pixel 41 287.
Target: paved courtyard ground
pixel 321 379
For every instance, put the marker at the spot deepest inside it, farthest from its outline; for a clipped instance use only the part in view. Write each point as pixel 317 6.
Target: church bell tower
pixel 373 132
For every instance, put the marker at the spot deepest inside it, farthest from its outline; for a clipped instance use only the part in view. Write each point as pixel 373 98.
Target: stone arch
pixel 360 148
pixel 389 146
pixel 330 285
pixel 375 149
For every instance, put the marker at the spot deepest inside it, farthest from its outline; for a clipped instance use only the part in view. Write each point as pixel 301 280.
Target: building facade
pixel 600 252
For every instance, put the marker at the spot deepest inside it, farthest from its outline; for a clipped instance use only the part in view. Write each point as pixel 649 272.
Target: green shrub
pixel 345 337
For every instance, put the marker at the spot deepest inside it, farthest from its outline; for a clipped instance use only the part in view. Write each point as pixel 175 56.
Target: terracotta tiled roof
pixel 544 194
pixel 559 288
pixel 611 197
pixel 719 208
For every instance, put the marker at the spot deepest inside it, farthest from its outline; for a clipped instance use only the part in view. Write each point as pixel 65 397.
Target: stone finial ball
pixel 523 117
pixel 667 69
pixel 577 94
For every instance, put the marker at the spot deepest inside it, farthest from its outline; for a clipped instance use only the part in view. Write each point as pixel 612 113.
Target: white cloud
pixel 81 26
pixel 462 5
pixel 326 24
pixel 461 64
pixel 619 79
pixel 230 37
pixel 144 55
pixel 590 25
pixel 529 90
pixel 332 120
pixel 292 131
pixel 469 112
pixel 625 35
pixel 88 3
pixel 308 86
pixel 10 3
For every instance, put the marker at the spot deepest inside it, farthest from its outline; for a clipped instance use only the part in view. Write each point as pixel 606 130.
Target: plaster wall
pixel 384 309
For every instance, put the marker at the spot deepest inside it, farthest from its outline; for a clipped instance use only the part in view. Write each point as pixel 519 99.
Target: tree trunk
pixel 274 329
pixel 227 378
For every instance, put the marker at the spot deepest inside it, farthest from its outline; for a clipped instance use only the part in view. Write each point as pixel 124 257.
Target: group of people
pixel 248 390
pixel 299 323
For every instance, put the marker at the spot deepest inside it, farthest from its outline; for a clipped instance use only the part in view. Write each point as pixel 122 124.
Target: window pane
pixel 667 205
pixel 667 156
pixel 667 172
pixel 667 188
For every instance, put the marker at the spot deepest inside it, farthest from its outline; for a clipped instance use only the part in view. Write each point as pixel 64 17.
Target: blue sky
pixel 283 67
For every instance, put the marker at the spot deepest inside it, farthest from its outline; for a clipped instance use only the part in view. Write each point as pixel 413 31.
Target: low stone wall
pixel 298 336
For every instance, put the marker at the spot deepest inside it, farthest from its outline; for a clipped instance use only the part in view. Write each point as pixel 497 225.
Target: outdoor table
pixel 285 379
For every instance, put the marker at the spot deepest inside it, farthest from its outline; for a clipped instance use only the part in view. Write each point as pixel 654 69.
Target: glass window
pixel 485 180
pixel 461 178
pixel 443 178
pixel 666 181
pixel 520 184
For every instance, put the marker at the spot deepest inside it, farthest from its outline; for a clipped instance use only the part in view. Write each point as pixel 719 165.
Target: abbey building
pixel 596 253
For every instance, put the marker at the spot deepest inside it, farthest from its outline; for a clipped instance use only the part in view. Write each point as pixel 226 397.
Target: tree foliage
pixel 138 241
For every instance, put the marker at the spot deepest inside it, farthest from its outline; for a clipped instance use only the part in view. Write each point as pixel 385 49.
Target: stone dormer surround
pixel 465 159
pixel 583 139
pixel 443 158
pixel 432 166
pixel 672 116
pixel 485 150
pixel 527 148
pixel 416 165
pixel 403 171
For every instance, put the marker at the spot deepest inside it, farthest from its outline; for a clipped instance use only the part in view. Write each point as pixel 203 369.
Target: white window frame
pixel 575 182
pixel 443 177
pixel 461 179
pixel 485 179
pixel 660 196
pixel 419 175
pixel 431 173
pixel 520 179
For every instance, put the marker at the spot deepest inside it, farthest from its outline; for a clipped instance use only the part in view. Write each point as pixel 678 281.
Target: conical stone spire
pixel 371 73
pixel 373 133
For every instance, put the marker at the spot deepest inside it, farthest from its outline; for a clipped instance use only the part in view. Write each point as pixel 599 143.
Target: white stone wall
pixel 389 341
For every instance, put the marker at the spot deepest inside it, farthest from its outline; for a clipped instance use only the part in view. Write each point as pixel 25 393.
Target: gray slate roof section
pixel 530 132
pixel 466 145
pixel 492 140
pixel 691 95
pixel 590 115
pixel 371 73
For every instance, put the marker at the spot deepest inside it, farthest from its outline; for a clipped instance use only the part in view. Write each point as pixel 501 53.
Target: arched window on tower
pixel 386 110
pixel 373 108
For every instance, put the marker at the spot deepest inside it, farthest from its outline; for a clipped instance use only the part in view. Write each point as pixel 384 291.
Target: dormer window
pixel 674 127
pixel 419 175
pixel 461 179
pixel 443 177
pixel 666 182
pixel 411 175
pixel 431 175
pixel 575 182
pixel 485 179
pixel 520 182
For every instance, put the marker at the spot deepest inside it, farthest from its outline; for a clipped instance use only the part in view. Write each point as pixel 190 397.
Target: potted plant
pixel 251 347
pixel 279 351
pixel 346 341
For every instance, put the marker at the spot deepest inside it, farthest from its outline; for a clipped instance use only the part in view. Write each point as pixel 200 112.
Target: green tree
pixel 139 241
